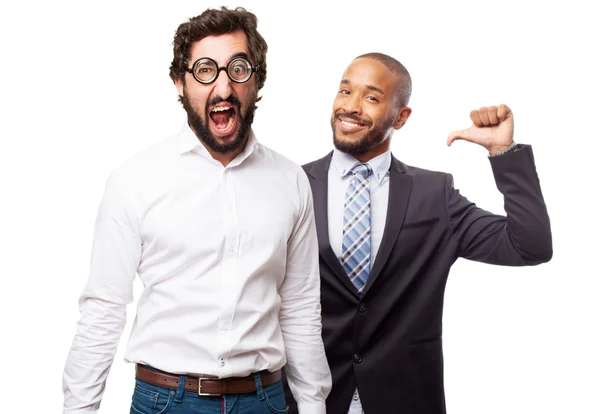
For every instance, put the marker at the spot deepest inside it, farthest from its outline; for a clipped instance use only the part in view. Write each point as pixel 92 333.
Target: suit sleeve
pixel 520 238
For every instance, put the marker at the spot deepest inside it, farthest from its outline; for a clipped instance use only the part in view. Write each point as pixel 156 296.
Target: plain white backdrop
pixel 84 85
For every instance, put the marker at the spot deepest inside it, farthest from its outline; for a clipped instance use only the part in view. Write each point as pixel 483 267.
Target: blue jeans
pixel 151 399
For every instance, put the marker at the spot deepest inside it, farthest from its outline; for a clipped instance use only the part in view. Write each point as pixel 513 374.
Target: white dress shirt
pixel 379 186
pixel 228 257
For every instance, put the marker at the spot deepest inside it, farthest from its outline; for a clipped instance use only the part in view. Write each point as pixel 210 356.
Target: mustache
pixel 353 117
pixel 232 100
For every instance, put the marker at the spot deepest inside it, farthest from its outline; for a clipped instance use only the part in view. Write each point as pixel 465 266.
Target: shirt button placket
pixel 228 268
pixel 230 244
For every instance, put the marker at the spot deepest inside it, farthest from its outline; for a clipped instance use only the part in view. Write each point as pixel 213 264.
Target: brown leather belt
pixel 207 386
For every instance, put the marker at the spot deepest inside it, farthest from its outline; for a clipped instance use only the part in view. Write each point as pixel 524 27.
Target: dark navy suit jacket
pixel 388 341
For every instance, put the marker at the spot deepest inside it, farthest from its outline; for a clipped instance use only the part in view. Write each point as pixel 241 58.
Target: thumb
pixel 464 134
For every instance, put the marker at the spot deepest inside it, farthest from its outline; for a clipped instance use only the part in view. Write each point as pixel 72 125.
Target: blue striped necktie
pixel 356 244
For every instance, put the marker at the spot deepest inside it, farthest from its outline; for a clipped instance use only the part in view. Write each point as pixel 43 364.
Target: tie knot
pixel 363 169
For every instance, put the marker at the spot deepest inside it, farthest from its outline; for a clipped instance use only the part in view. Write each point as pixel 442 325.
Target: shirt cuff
pixel 311 408
pixel 511 148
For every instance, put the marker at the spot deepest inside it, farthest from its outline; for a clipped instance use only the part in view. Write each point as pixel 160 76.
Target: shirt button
pixel 362 308
pixel 355 396
pixel 357 358
pixel 222 361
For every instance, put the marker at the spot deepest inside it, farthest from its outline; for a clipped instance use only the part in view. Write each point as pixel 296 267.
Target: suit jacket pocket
pixel 413 235
pixel 420 223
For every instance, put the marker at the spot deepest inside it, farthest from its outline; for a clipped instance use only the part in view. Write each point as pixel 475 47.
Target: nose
pixel 351 104
pixel 223 85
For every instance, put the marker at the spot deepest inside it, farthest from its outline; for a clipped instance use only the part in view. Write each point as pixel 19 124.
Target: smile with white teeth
pixel 350 124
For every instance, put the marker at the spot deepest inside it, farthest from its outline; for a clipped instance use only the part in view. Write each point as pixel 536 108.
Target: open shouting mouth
pixel 224 119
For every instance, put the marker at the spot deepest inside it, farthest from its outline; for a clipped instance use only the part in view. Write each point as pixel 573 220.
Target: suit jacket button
pixel 362 308
pixel 357 358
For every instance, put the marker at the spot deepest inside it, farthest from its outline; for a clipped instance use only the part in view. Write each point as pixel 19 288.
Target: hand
pixel 493 128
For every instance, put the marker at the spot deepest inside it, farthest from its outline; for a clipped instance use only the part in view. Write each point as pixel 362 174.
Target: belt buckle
pixel 205 394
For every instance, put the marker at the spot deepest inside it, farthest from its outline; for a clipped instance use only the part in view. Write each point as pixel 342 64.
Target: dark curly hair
pixel 214 22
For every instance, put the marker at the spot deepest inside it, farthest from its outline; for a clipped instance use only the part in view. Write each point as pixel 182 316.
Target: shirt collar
pixel 189 142
pixel 380 165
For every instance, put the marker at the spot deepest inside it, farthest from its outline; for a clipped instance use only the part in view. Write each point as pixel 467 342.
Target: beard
pixel 200 125
pixel 364 143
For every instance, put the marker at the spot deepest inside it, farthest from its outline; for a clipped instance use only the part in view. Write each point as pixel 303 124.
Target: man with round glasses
pixel 220 230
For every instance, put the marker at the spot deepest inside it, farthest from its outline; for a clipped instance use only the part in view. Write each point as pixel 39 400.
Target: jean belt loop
pixel 180 389
pixel 259 388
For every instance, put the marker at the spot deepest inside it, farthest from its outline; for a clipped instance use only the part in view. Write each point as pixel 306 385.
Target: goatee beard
pixel 356 147
pixel 359 146
pixel 202 131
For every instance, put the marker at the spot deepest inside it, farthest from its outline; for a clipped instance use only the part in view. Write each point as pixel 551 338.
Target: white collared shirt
pixel 228 258
pixel 379 186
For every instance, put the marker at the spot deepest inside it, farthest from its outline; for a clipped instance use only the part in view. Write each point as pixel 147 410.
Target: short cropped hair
pixel 405 89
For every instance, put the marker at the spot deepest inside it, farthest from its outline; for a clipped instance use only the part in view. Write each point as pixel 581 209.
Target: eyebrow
pixel 239 54
pixel 370 87
pixel 375 88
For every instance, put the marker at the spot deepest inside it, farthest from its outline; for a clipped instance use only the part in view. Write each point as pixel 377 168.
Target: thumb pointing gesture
pixel 493 128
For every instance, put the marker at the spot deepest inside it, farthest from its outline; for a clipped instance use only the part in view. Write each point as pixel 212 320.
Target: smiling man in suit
pixel 388 234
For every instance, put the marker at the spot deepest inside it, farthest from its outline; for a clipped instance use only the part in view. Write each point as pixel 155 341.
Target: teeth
pixel 350 124
pixel 226 126
pixel 221 108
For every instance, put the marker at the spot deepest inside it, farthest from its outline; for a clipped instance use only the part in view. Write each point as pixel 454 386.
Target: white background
pixel 84 85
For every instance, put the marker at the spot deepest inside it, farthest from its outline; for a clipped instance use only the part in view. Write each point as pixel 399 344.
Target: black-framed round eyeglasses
pixel 206 70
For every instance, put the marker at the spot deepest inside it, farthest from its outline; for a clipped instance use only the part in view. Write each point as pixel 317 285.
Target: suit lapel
pixel 318 177
pixel 399 195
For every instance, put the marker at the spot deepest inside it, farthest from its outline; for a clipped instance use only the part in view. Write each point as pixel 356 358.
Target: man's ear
pixel 403 114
